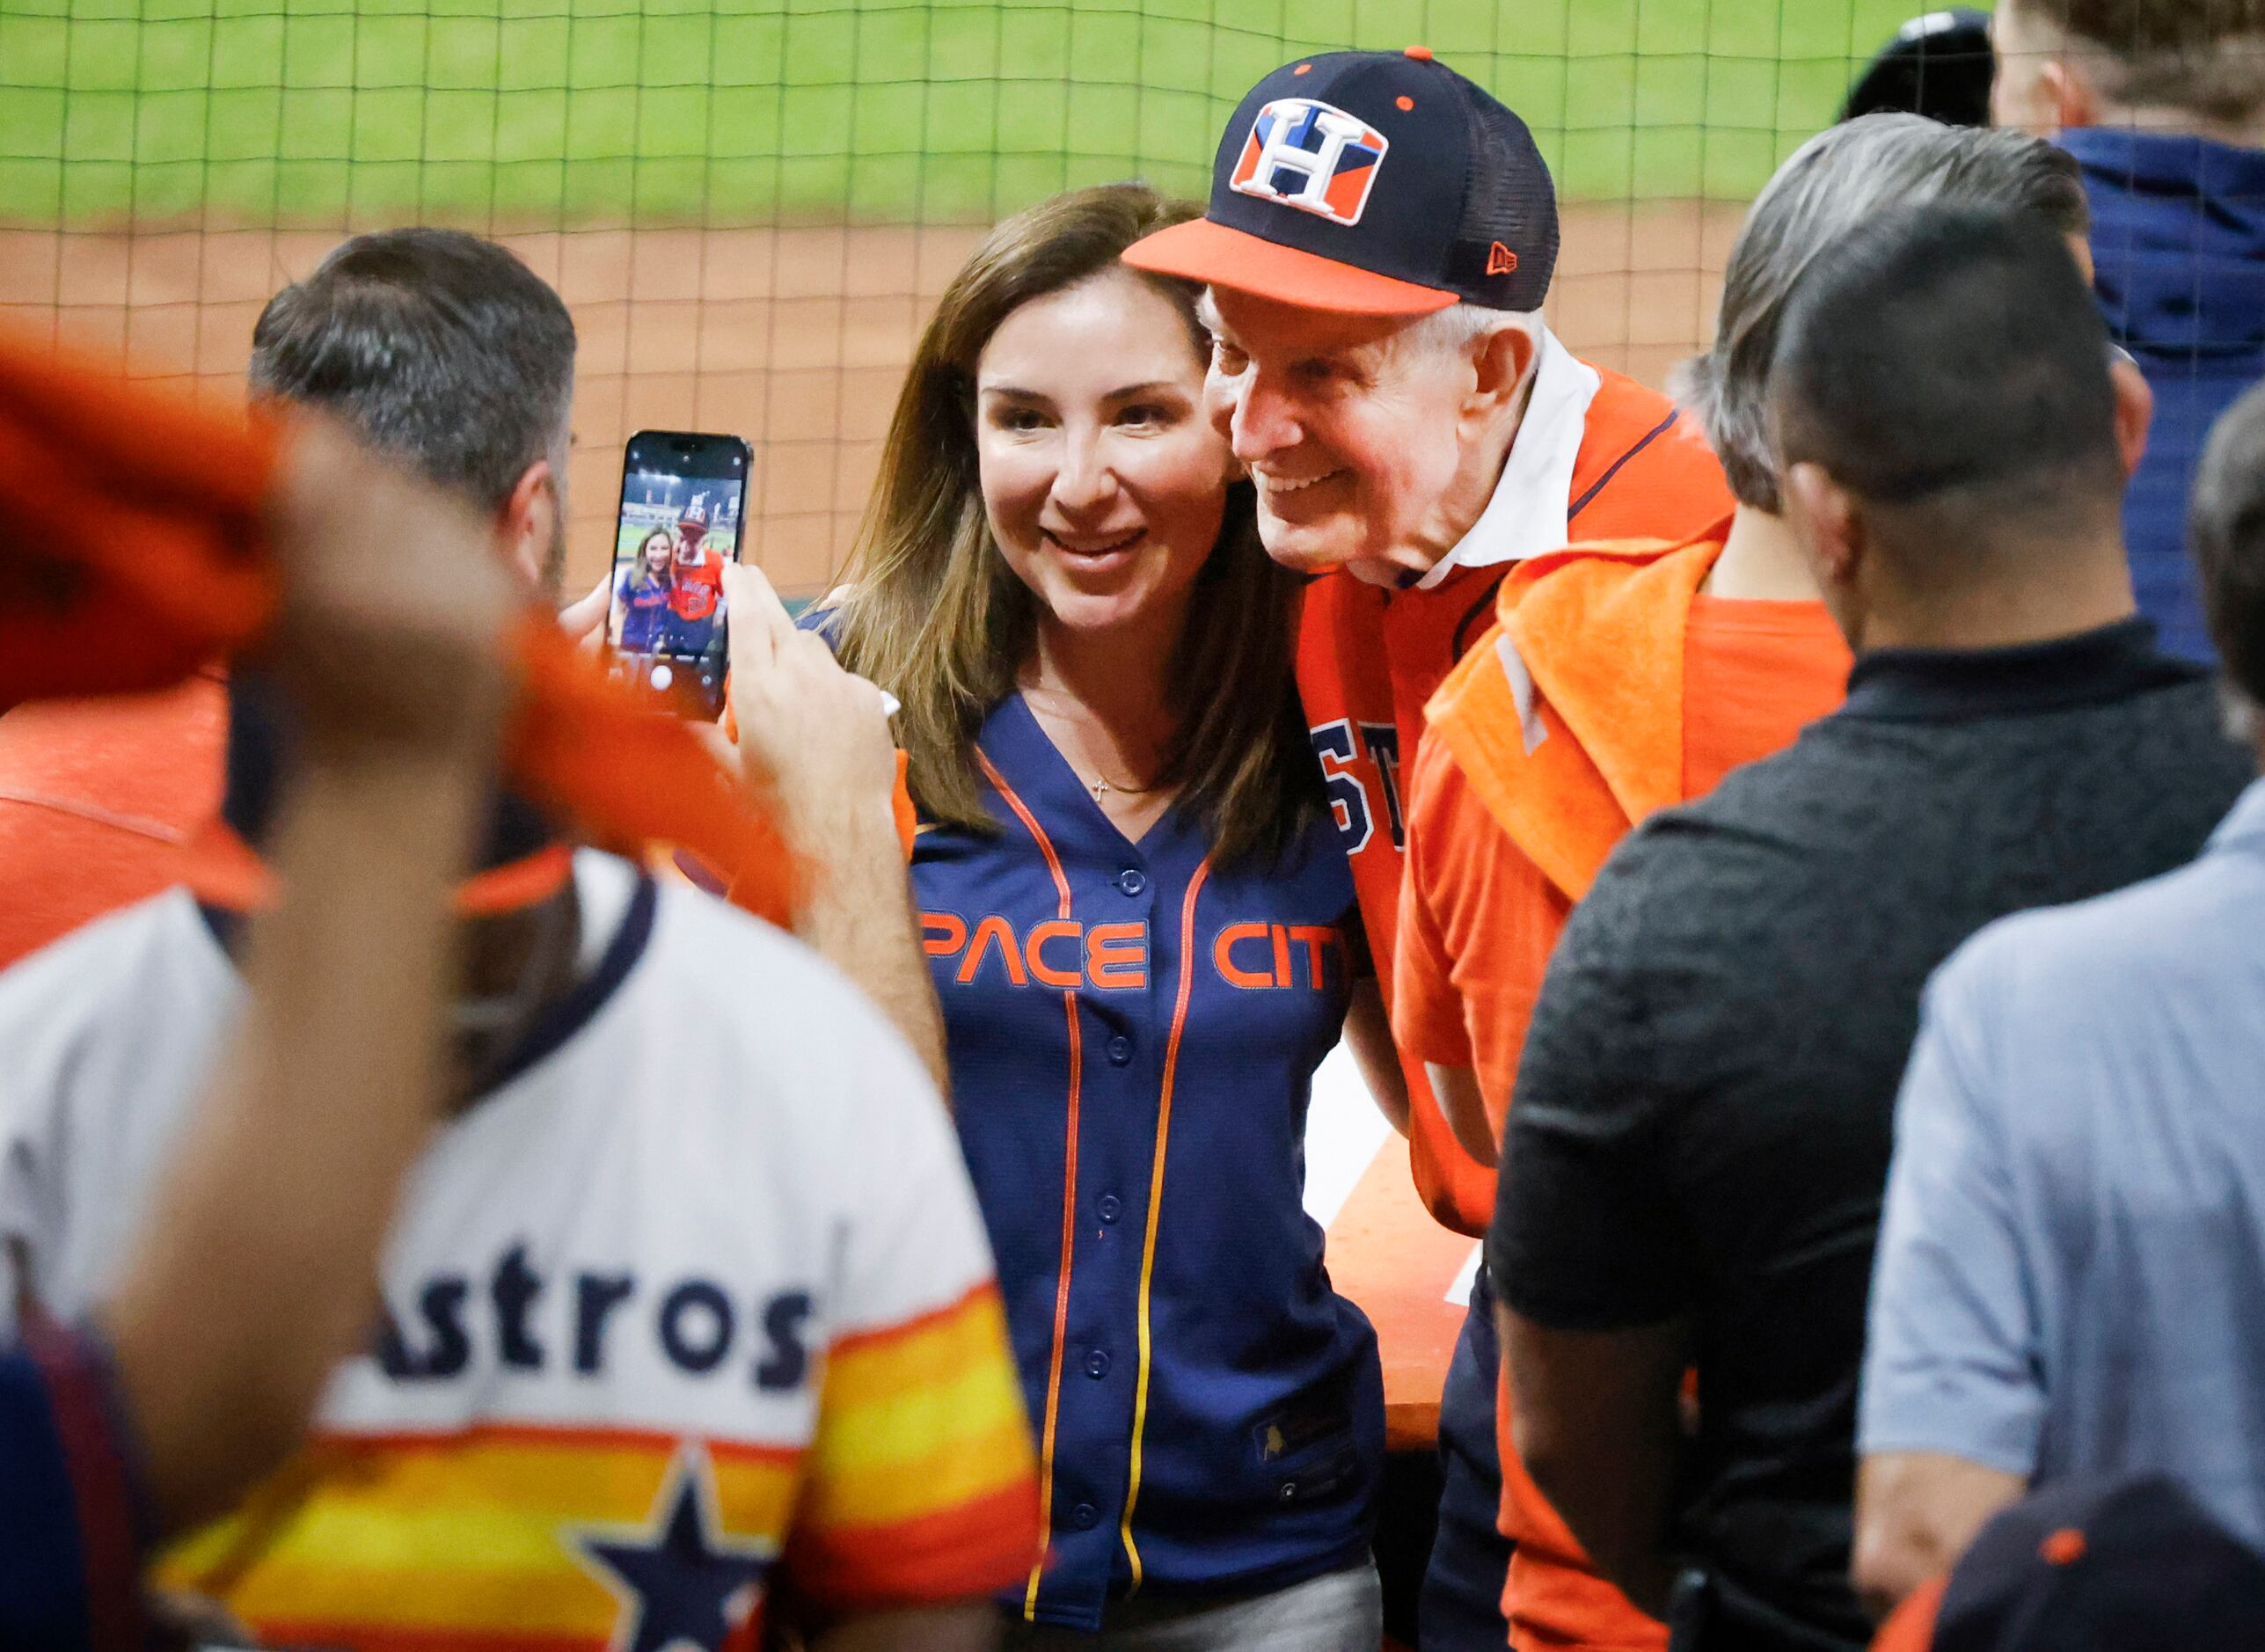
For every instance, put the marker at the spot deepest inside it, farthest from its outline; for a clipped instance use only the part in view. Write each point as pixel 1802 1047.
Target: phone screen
pixel 682 495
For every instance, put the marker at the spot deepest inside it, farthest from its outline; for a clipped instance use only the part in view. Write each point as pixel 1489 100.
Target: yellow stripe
pixel 930 1454
pixel 1156 1210
pixel 471 1534
pixel 879 1370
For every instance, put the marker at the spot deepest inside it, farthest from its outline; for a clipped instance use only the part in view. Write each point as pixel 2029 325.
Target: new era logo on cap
pixel 1311 156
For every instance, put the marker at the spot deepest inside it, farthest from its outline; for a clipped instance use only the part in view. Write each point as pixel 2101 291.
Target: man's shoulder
pixel 1705 878
pixel 785 1019
pixel 1644 468
pixel 103 968
pixel 2092 962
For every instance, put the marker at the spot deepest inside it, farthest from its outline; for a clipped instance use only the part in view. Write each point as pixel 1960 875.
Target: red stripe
pixel 1068 1183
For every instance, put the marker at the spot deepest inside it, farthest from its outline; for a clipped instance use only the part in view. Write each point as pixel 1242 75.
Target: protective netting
pixel 749 203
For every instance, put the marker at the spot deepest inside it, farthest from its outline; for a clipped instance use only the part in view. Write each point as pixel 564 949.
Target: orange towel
pixel 133 549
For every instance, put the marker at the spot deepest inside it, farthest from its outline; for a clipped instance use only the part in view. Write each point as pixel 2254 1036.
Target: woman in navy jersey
pixel 1141 929
pixel 644 594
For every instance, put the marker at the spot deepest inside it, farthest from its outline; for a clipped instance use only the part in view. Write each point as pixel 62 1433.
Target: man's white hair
pixel 1460 327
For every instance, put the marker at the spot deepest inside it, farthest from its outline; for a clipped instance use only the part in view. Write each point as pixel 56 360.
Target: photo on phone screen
pixel 682 495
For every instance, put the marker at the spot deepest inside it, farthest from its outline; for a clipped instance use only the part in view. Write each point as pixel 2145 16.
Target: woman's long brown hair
pixel 938 619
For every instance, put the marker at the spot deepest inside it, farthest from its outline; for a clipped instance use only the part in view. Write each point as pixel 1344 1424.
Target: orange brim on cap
pixel 1212 254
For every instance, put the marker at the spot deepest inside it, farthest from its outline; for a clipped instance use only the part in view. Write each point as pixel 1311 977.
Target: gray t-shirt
pixel 2072 1267
pixel 1702 1121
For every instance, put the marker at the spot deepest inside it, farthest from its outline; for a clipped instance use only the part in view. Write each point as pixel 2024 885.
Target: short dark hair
pixel 2226 523
pixel 2200 55
pixel 1952 363
pixel 436 346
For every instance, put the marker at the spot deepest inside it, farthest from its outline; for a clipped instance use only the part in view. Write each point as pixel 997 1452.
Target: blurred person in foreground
pixel 1137 911
pixel 2072 1257
pixel 1380 238
pixel 1700 1136
pixel 2162 103
pixel 650 1293
pixel 1623 678
pixel 251 1282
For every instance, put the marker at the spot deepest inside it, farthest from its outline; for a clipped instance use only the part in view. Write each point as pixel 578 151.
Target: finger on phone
pixel 748 598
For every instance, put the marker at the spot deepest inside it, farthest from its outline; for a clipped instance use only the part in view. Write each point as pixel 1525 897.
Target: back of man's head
pixel 1838 180
pixel 1948 369
pixel 437 347
pixel 2205 58
pixel 2227 527
pixel 447 352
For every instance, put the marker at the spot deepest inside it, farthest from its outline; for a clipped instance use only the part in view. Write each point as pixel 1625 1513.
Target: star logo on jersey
pixel 683 1582
pixel 1312 156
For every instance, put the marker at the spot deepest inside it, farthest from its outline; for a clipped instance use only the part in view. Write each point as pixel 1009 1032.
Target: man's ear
pixel 1826 520
pixel 1502 359
pixel 530 524
pixel 2068 91
pixel 2135 410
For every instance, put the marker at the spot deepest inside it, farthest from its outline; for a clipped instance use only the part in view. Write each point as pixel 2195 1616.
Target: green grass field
pixel 533 113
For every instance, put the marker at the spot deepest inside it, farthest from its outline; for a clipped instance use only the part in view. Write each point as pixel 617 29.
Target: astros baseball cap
pixel 2122 1564
pixel 1374 183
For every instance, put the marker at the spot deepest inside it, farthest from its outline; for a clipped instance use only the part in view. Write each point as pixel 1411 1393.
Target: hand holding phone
pixel 683 498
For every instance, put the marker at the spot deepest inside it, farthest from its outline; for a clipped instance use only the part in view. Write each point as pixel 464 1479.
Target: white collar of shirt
pixel 1527 516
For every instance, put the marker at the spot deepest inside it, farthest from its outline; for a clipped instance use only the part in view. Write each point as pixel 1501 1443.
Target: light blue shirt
pixel 2071 1275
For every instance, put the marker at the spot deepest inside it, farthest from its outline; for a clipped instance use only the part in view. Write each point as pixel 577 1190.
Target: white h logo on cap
pixel 1335 155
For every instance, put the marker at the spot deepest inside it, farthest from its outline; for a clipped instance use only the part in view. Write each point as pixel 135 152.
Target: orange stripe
pixel 855 1341
pixel 1069 1193
pixel 977 1548
pixel 1156 1202
pixel 667 1442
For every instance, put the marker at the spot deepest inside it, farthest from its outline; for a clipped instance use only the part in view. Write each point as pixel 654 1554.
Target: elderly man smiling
pixel 1380 237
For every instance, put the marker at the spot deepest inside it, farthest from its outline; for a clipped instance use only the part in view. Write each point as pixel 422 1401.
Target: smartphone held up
pixel 683 498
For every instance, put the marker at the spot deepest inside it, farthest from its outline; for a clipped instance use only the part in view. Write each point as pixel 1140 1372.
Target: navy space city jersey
pixel 1133 1033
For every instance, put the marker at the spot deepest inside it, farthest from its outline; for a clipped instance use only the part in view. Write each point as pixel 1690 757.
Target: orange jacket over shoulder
pixel 1608 687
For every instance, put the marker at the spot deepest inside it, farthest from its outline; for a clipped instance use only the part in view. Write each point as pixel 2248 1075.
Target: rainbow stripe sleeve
pixel 921 1486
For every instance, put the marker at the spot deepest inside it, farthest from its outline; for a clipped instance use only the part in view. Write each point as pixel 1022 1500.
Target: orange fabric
pixel 1753 674
pixel 96 798
pixel 1368 659
pixel 1477 923
pixel 1611 687
pixel 1911 1627
pixel 133 549
pixel 220 869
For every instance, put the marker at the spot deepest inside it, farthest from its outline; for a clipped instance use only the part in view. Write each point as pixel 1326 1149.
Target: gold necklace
pixel 1100 784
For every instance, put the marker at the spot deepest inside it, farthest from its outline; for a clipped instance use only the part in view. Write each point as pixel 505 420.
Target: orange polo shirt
pixel 1729 681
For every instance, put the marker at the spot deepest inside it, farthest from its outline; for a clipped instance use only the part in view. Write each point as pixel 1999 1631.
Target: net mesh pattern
pixel 751 204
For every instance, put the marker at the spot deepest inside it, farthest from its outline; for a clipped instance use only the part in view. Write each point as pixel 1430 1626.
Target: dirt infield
pixel 795 339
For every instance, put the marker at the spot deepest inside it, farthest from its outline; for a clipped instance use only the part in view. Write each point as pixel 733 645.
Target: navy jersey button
pixel 1132 880
pixel 1111 1207
pixel 1085 1517
pixel 1097 1364
pixel 1120 1049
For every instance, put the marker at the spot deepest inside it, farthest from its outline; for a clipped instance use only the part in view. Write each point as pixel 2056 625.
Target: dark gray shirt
pixel 1703 1113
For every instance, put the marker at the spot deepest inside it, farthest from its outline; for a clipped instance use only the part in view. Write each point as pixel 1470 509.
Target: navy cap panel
pixel 1395 165
pixel 1391 205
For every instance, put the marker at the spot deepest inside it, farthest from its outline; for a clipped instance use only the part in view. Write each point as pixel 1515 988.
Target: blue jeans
pixel 1461 1607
